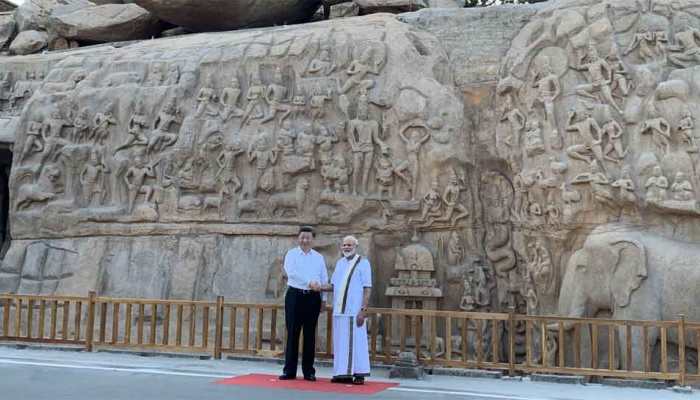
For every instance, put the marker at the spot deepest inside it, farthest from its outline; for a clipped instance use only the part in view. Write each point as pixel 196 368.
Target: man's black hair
pixel 307 228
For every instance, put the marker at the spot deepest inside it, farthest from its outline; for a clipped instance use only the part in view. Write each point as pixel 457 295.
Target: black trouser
pixel 301 310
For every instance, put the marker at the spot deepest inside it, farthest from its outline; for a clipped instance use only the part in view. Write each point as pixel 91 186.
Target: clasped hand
pixel 315 286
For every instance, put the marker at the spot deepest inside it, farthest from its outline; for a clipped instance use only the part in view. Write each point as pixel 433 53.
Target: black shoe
pixel 341 379
pixel 285 377
pixel 358 380
pixel 310 378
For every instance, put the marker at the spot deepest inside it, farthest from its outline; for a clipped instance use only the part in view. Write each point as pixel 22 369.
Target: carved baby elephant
pixel 637 276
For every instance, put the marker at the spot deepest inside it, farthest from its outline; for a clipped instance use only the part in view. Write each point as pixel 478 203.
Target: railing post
pixel 511 343
pixel 219 332
pixel 90 328
pixel 681 350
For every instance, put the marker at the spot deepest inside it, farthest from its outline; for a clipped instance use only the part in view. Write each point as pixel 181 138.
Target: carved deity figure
pixel 323 65
pixel 264 156
pixel 682 189
pixel 229 100
pixel 358 71
pixel 415 139
pixel 431 205
pixel 686 125
pixel 656 186
pixel 135 178
pixel 626 186
pixel 155 75
pixel 600 78
pixel 162 137
pixel 256 97
pixel 102 124
pixel 548 89
pixel 33 143
pixel 614 132
pixel 137 125
pixel 206 98
pixel 81 126
pixel 651 45
pixel 534 144
pixel 93 179
pixel 589 131
pixel 276 97
pixel 227 165
pixel 600 185
pixel 52 133
pixel 362 134
pixel 454 210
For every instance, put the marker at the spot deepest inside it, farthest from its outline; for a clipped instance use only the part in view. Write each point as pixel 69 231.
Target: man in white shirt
pixel 302 305
pixel 351 284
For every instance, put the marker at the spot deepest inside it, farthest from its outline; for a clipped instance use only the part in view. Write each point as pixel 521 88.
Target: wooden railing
pixel 499 341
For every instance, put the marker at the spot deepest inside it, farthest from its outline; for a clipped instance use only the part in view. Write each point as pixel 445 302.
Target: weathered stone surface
pixel 344 10
pixel 106 23
pixel 34 15
pixel 393 6
pixel 213 15
pixel 8 28
pixel 28 42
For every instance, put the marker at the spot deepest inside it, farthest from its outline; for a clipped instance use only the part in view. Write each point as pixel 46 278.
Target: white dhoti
pixel 350 347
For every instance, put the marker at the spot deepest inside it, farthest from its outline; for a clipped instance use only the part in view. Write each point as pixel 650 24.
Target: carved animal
pixel 37 192
pixel 636 275
pixel 569 196
pixel 294 200
pixel 250 206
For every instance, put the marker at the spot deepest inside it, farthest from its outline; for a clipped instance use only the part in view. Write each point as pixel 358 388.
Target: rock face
pixel 34 15
pixel 8 27
pixel 212 15
pixel 28 42
pixel 105 23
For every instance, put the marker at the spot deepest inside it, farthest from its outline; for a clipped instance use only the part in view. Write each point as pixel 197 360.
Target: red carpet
pixel 321 385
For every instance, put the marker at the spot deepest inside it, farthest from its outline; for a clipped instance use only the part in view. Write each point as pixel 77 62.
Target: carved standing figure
pixel 33 143
pixel 614 132
pixel 81 126
pixel 414 141
pixel 229 100
pixel 102 124
pixel 686 126
pixel 515 118
pixel 264 156
pixel 135 178
pixel 206 98
pixel 92 179
pixel 362 134
pixel 255 96
pixel 548 89
pixel 227 165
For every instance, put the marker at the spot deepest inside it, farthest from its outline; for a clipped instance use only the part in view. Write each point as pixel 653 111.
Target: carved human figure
pixel 317 104
pixel 650 44
pixel 323 65
pixel 229 100
pixel 264 156
pixel 431 205
pixel 285 138
pixel 276 97
pixel 206 98
pixel 600 78
pixel 600 185
pixel 306 145
pixel 81 126
pixel 660 131
pixel 620 81
pixel 93 179
pixel 455 250
pixel 626 186
pixel 686 51
pixel 135 178
pixel 256 97
pixel 173 75
pixel 155 75
pixel 454 210
pixel 325 139
pixel 358 71
pixel 682 189
pixel 548 89
pixel 227 165
pixel 686 125
pixel 515 118
pixel 52 133
pixel 163 135
pixel 415 139
pixel 362 134
pixel 589 131
pixel 539 267
pixel 656 186
pixel 5 86
pixel 534 144
pixel 340 173
pixel 33 142
pixel 614 132
pixel 386 168
pixel 102 124
pixel 137 125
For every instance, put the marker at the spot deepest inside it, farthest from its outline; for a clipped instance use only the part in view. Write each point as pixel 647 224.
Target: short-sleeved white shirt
pixel 303 268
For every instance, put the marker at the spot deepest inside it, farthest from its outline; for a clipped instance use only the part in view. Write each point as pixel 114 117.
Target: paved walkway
pixel 51 374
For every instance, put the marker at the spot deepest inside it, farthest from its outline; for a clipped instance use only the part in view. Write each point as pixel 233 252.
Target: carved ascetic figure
pixel 33 143
pixel 651 44
pixel 626 186
pixel 276 97
pixel 102 124
pixel 548 89
pixel 613 131
pixel 587 129
pixel 137 125
pixel 229 100
pixel 656 186
pixel 534 144
pixel 686 125
pixel 682 189
pixel 431 206
pixel 362 133
pixel 634 274
pixel 454 210
pixel 600 78
pixel 206 98
pixel 135 178
pixel 262 153
pixel 93 179
pixel 255 109
pixel 660 131
pixel 323 65
pixel 358 71
pixel 415 139
pixel 81 126
pixel 45 189
pixel 227 166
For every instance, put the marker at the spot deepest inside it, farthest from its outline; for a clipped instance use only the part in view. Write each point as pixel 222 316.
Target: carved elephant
pixel 636 275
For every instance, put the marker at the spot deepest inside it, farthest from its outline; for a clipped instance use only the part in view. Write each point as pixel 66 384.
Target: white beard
pixel 348 253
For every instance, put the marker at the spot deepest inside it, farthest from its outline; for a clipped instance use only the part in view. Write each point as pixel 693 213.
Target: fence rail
pixel 509 342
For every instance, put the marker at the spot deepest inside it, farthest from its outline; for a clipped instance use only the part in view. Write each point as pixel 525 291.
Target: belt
pixel 301 291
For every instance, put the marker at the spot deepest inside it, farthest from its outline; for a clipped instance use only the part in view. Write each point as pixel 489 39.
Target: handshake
pixel 315 286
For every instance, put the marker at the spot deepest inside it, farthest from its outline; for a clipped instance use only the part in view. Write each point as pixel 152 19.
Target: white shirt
pixel 303 268
pixel 361 278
